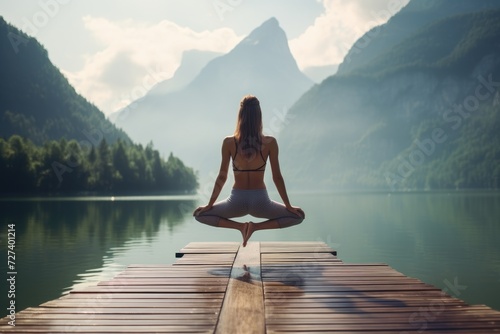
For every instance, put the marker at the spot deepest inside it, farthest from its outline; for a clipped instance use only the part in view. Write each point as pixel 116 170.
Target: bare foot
pixel 248 234
pixel 244 232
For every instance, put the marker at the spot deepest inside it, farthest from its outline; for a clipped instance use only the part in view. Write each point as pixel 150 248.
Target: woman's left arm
pixel 221 178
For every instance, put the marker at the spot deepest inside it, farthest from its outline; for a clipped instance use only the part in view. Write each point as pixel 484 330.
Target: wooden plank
pixel 69 328
pixel 82 316
pixel 153 289
pixel 143 296
pixel 381 326
pixel 165 281
pixel 176 274
pixel 402 319
pixel 296 246
pixel 243 307
pixel 133 303
pixel 388 331
pixel 208 248
pixel 117 322
pixel 206 259
pixel 90 311
pixel 213 245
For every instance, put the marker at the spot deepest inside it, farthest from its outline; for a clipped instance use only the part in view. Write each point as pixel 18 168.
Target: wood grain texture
pixel 243 306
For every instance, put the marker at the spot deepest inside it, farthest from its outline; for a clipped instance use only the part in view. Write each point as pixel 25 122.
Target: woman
pixel 249 150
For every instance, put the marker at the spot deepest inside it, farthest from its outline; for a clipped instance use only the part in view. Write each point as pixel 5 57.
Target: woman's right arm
pixel 278 179
pixel 221 178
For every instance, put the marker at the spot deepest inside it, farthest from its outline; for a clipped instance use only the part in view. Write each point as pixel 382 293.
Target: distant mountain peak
pixel 272 22
pixel 269 31
pixel 269 41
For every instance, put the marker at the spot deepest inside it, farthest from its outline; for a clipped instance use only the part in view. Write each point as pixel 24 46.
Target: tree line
pixel 67 166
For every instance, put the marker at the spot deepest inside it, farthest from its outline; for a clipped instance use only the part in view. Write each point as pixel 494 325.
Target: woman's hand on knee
pixel 298 211
pixel 199 210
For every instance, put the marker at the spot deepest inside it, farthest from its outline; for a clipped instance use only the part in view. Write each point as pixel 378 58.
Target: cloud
pixel 327 41
pixel 136 55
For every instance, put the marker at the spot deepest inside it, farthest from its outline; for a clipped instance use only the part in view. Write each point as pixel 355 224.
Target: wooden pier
pixel 266 287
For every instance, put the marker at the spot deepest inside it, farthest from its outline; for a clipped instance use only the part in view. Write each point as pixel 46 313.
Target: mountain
pixel 37 101
pixel 409 20
pixel 422 115
pixel 320 73
pixel 191 64
pixel 261 64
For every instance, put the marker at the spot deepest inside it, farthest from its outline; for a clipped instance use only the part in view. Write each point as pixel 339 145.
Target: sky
pixel 114 51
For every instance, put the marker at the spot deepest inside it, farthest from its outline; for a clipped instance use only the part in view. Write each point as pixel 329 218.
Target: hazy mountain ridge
pixel 320 73
pixel 366 129
pixel 195 119
pixel 461 41
pixel 191 64
pixel 193 61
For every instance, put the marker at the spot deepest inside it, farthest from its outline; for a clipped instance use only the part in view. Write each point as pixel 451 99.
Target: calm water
pixel 444 239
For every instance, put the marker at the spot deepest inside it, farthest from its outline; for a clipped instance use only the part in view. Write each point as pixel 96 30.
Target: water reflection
pixel 63 244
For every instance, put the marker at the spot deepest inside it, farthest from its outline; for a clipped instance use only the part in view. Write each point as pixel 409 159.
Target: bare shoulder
pixel 269 140
pixel 270 143
pixel 228 144
pixel 227 140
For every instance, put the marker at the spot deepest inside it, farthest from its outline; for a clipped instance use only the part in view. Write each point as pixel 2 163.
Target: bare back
pixel 249 170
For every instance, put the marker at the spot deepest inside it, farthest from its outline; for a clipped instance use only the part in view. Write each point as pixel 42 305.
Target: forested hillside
pixel 52 139
pixel 413 17
pixel 422 115
pixel 36 100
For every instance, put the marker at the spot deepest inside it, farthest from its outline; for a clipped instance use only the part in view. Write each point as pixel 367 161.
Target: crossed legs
pixel 253 202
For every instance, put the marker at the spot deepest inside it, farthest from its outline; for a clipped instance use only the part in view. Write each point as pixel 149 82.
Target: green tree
pixel 104 166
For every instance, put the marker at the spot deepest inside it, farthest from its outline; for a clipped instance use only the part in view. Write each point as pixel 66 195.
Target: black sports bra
pixel 258 169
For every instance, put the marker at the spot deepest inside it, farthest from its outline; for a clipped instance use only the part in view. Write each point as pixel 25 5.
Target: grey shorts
pixel 255 202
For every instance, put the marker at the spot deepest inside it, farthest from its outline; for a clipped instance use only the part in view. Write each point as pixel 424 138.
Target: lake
pixel 448 239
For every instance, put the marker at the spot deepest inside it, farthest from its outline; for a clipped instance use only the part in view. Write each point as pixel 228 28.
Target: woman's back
pixel 249 164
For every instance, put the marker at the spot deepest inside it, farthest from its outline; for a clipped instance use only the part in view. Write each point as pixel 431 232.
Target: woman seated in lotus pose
pixel 249 150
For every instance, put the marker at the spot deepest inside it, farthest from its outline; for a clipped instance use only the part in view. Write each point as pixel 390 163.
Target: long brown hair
pixel 248 132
